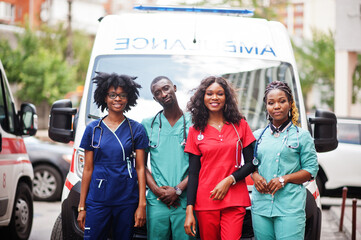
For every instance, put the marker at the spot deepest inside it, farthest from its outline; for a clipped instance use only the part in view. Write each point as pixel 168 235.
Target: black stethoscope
pixel 132 155
pixel 160 126
pixel 255 160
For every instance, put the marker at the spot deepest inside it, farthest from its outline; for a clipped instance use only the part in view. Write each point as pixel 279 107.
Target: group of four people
pixel 199 160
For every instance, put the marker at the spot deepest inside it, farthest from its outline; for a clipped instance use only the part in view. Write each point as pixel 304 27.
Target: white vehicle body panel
pixel 342 166
pixel 14 163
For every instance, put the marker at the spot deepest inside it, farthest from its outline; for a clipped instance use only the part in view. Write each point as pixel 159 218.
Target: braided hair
pixel 105 80
pixel 294 115
pixel 199 111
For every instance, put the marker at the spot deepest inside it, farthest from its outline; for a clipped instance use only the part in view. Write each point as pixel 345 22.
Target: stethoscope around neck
pixel 183 143
pixel 239 163
pixel 132 154
pixel 255 160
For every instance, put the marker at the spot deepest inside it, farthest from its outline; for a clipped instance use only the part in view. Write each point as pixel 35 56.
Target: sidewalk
pixel 347 221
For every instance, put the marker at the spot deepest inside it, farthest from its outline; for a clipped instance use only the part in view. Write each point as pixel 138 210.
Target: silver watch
pixel 282 181
pixel 178 191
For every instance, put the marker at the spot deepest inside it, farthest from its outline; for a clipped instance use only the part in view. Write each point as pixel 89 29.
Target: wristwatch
pixel 178 191
pixel 282 181
pixel 81 209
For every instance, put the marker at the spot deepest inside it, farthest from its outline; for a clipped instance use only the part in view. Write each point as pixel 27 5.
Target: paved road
pixel 45 214
pixel 335 215
pixel 329 228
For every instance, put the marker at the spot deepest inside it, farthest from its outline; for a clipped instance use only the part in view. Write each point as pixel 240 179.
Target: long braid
pixel 294 113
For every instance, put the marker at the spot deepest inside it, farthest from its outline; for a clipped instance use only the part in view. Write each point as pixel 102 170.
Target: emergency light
pixel 195 9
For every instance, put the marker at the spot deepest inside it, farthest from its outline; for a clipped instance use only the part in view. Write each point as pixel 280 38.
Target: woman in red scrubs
pixel 217 190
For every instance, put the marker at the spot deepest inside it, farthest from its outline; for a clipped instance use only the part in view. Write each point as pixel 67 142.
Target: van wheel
pixel 57 232
pixel 47 184
pixel 313 218
pixel 320 185
pixel 22 215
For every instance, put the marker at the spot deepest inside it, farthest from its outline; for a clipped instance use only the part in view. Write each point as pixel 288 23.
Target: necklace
pixel 217 125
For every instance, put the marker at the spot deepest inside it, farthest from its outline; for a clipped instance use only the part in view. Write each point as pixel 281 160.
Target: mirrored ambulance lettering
pixel 141 43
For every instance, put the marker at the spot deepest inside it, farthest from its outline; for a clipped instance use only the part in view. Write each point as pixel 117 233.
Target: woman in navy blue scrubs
pixel 113 183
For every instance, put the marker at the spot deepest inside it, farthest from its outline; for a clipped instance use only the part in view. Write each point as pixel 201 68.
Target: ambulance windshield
pixel 248 76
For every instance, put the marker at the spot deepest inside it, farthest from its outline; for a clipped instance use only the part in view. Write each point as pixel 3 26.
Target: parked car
pixel 341 167
pixel 51 164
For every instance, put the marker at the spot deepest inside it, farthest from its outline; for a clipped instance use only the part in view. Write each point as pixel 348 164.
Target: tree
pixel 356 79
pixel 316 64
pixel 38 64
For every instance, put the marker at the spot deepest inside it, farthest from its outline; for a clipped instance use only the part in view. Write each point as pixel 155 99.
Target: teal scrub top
pixel 168 161
pixel 279 156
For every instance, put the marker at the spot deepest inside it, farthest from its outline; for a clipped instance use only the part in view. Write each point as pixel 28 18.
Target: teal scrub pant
pixel 280 228
pixel 163 222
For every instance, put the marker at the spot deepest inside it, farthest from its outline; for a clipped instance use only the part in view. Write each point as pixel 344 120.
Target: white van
pixel 186 47
pixel 16 171
pixel 341 167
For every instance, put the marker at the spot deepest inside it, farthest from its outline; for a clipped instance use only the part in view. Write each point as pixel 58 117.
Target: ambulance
pixel 16 171
pixel 187 45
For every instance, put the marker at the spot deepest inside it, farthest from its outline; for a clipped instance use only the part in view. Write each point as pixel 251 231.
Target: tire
pixel 22 214
pixel 47 184
pixel 320 185
pixel 313 218
pixel 57 232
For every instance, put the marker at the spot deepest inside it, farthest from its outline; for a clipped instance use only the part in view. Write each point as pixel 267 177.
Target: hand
pixel 169 196
pixel 190 222
pixel 220 191
pixel 140 217
pixel 274 185
pixel 260 183
pixel 81 219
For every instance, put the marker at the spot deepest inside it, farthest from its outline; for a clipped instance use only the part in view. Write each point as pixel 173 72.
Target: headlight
pixel 79 162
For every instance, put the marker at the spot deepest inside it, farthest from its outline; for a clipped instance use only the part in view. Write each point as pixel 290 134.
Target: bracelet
pixel 234 179
pixel 81 209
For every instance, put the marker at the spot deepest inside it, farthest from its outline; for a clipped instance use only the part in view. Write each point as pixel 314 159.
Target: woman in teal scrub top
pixel 286 158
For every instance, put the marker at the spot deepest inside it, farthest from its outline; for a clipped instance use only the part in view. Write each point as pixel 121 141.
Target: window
pixel 6 11
pixel 348 133
pixel 7 109
pixel 249 77
pixel 299 8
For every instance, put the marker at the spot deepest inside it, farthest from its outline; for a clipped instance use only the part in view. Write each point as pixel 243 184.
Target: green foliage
pixel 39 63
pixel 356 79
pixel 316 64
pixel 45 76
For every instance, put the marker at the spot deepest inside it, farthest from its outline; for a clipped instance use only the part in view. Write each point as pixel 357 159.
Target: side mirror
pixel 28 119
pixel 325 130
pixel 61 121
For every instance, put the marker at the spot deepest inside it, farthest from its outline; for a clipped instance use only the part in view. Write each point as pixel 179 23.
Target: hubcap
pixel 21 215
pixel 44 184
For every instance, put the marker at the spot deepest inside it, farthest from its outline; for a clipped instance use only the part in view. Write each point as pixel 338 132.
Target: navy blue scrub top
pixel 114 181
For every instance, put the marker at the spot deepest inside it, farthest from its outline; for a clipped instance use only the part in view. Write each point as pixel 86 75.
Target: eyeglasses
pixel 113 95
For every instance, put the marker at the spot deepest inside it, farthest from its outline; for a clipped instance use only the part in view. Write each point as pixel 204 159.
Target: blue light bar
pixel 194 9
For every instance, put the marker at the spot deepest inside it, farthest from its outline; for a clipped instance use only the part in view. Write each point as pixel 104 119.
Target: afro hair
pixel 105 80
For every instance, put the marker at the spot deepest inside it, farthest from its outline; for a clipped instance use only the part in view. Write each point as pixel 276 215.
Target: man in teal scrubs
pixel 168 178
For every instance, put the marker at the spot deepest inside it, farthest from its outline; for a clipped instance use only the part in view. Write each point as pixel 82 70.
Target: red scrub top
pixel 218 160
